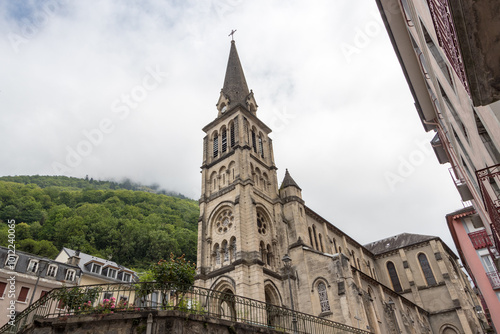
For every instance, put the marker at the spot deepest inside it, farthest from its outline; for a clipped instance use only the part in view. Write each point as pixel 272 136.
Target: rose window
pixel 261 223
pixel 224 222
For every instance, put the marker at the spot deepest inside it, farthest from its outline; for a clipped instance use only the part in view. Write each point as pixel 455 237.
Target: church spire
pixel 288 181
pixel 235 86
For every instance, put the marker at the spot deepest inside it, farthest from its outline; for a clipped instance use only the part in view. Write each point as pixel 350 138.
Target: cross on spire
pixel 232 34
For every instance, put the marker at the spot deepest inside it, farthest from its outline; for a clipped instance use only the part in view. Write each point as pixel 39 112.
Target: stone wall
pixel 144 322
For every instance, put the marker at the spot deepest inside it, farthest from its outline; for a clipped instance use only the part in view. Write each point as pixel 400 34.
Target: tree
pixel 176 270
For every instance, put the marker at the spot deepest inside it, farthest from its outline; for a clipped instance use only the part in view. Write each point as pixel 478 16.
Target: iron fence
pixel 133 297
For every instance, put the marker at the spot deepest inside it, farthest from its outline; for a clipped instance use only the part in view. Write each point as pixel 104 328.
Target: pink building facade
pixel 478 253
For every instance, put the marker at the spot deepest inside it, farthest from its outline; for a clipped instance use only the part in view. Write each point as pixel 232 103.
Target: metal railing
pixel 133 297
pixel 494 278
pixel 481 239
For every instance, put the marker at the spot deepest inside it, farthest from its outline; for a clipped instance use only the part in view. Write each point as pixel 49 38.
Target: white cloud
pixel 350 118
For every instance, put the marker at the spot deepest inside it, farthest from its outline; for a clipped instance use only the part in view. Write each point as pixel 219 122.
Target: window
pixel 437 56
pixel 11 261
pixel 23 295
pixel 126 277
pixel 261 223
pixel 393 275
pixel 226 251
pixel 323 297
pixel 111 273
pixel 426 269
pixel 310 237
pixel 315 237
pixel 254 143
pixel 216 146
pixel 488 263
pixel 261 147
pixel 486 139
pixel 52 271
pixel 321 242
pixel 96 269
pixel 217 254
pixel 42 294
pixel 2 288
pixel 224 140
pixel 269 256
pixel 70 275
pixel 232 135
pixel 32 266
pixel 233 249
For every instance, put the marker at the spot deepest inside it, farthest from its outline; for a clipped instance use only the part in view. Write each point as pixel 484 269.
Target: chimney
pixel 75 259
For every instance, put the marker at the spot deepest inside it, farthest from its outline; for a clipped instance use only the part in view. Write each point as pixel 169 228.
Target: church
pixel 258 239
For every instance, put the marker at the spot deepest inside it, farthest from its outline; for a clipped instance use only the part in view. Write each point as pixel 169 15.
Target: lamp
pixel 287 262
pixel 40 269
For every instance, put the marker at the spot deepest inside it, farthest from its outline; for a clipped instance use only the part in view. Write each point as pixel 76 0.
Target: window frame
pixel 427 273
pixel 52 266
pixel 23 288
pixel 73 272
pixel 33 264
pixel 393 276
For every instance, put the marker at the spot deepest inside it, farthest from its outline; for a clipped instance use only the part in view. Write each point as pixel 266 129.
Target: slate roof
pixel 396 242
pixel 86 258
pixel 288 181
pixel 235 84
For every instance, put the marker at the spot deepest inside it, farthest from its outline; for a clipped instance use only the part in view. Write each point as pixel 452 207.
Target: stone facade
pixel 247 225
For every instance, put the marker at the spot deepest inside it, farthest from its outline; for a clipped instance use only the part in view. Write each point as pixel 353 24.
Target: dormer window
pixel 96 268
pixel 70 275
pixel 52 270
pixel 11 261
pixel 126 277
pixel 224 108
pixel 32 266
pixel 111 273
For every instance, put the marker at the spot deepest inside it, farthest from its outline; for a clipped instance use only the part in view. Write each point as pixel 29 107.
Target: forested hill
pixel 133 228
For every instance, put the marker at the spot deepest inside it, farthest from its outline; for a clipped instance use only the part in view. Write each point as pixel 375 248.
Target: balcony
pixel 481 239
pixel 494 279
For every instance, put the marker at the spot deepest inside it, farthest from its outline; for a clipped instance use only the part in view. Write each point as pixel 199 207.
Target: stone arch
pixel 263 222
pixel 223 139
pixel 213 181
pixel 216 222
pixel 448 329
pixel 224 250
pixel 258 177
pixel 214 138
pixel 221 299
pixel 222 176
pixel 265 180
pixel 274 293
pixel 232 248
pixel 216 255
pixel 322 289
pixel 231 171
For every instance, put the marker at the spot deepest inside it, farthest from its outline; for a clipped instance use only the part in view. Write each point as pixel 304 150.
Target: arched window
pixel 217 254
pixel 426 269
pixel 310 237
pixel 323 297
pixel 233 249
pixel 393 275
pixel 254 143
pixel 315 237
pixel 262 224
pixel 261 147
pixel 216 145
pixel 245 128
pixel 263 252
pixel 225 250
pixel 321 242
pixel 232 135
pixel 224 140
pixel 269 256
pixel 335 246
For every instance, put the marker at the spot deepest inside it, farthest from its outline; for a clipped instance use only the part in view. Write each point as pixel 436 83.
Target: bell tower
pixel 240 207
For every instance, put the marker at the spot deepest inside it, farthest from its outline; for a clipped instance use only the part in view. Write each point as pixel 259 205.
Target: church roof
pixel 235 84
pixel 396 242
pixel 288 181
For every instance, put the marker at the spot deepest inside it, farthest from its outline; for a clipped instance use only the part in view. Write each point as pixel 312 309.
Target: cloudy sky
pixel 122 89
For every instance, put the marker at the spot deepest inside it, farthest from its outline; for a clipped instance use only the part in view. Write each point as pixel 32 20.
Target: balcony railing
pixel 114 298
pixel 494 279
pixel 481 239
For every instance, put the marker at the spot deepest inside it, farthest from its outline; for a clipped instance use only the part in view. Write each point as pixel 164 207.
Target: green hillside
pixel 133 228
